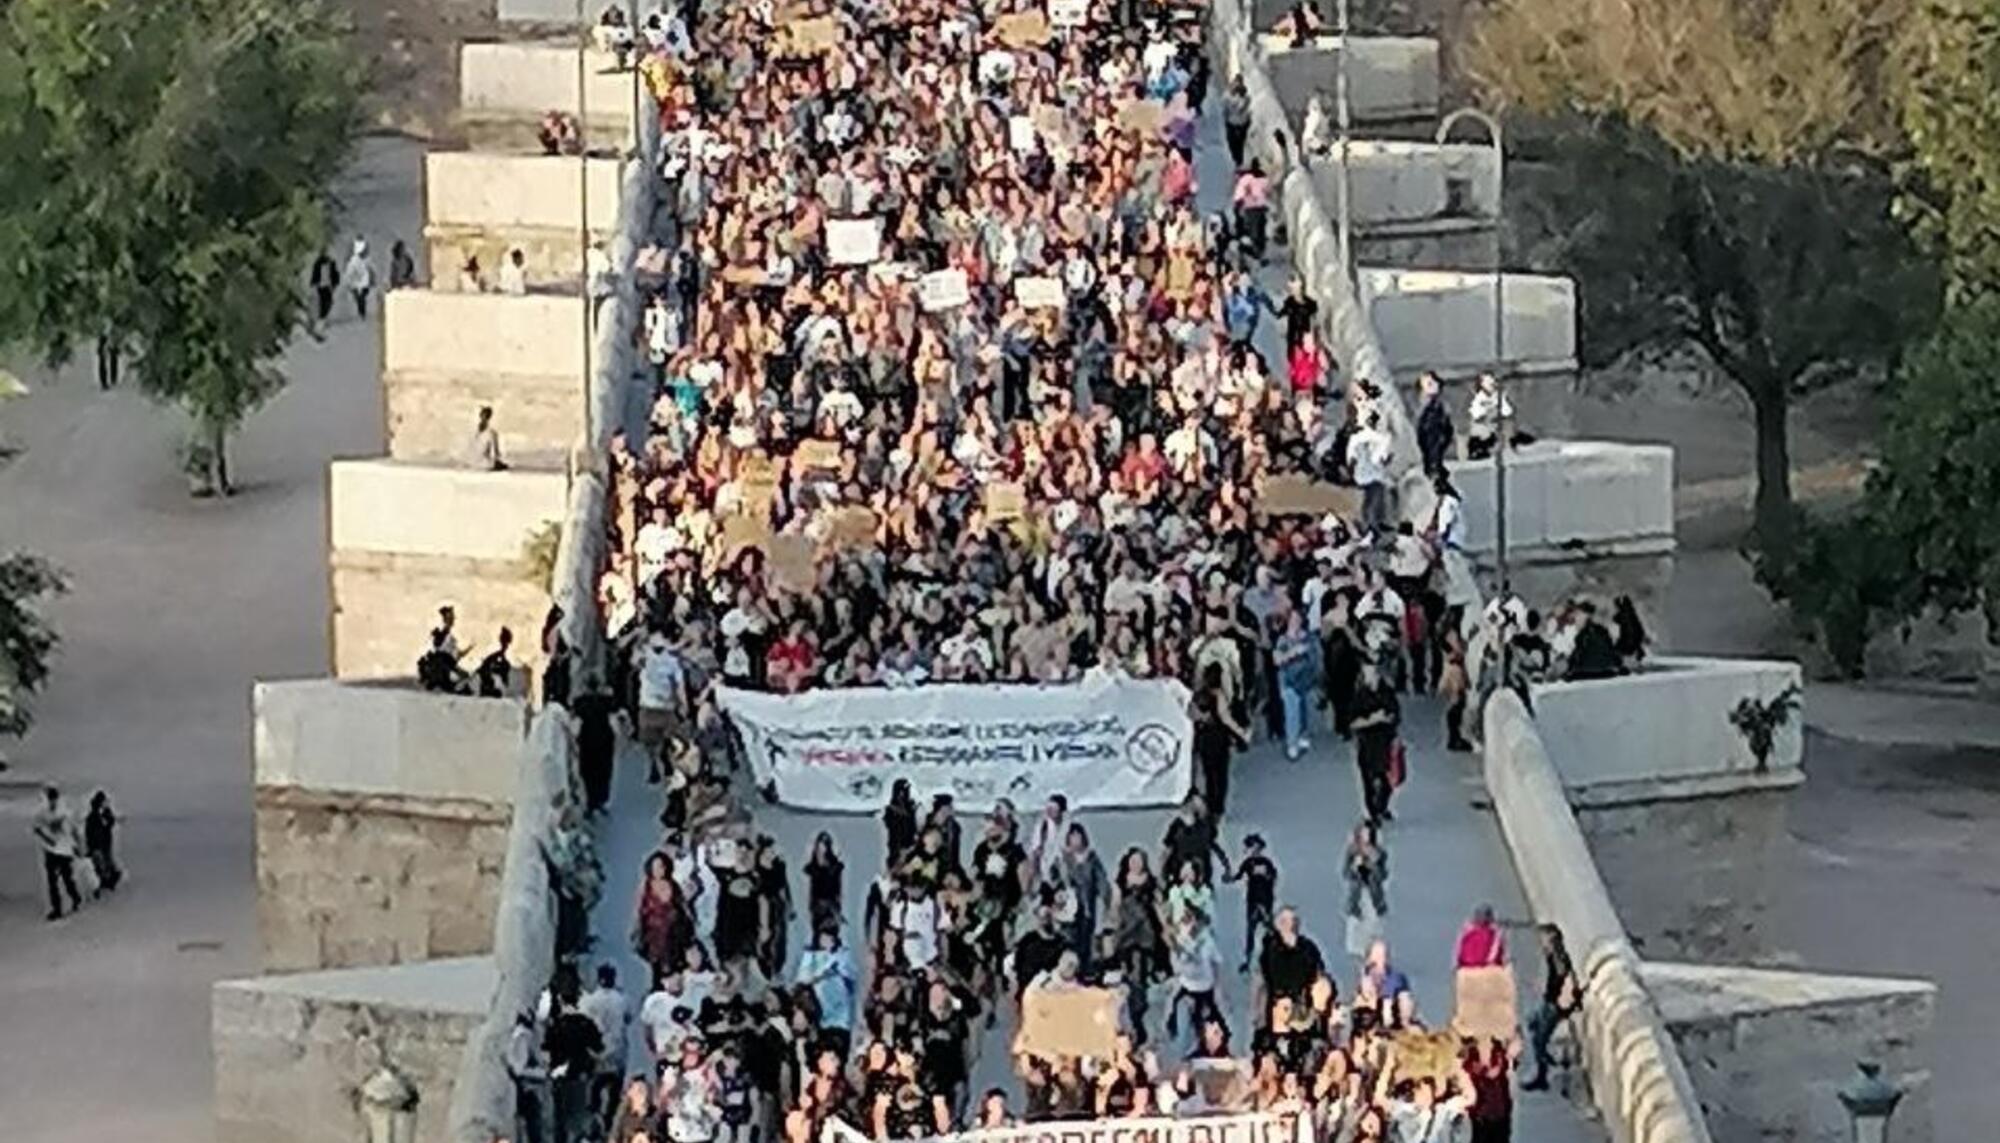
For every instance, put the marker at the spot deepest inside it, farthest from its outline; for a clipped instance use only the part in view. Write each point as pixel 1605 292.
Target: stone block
pixel 471 335
pixel 430 415
pixel 363 738
pixel 509 192
pixel 515 83
pixel 1669 721
pixel 1394 183
pixel 292 1052
pixel 1391 78
pixel 1768 1050
pixel 349 880
pixel 1443 319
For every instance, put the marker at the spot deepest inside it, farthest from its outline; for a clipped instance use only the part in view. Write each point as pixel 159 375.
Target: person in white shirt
pixel 514 274
pixel 1368 454
pixel 1488 411
pixel 662 697
pixel 1046 849
pixel 608 1007
pixel 915 918
pixel 666 1017
pixel 1197 963
pixel 968 654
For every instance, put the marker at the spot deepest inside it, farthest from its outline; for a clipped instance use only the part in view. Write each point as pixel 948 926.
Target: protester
pixel 483 451
pixel 359 276
pixel 325 280
pixel 55 832
pixel 99 826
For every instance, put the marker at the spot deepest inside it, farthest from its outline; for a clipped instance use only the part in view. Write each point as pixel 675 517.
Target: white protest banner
pixel 1040 293
pixel 1103 742
pixel 943 290
pixel 1069 13
pixel 853 241
pixel 1252 1127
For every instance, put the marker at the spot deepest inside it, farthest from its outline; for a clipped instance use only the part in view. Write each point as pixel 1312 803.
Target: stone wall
pixel 1392 79
pixel 292 1052
pixel 505 87
pixel 385 738
pixel 1671 720
pixel 1443 319
pixel 388 506
pixel 1574 498
pixel 1688 863
pixel 1548 576
pixel 551 259
pixel 430 415
pixel 1637 1080
pixel 371 879
pixel 1769 1050
pixel 385 604
pixel 1393 182
pixel 477 188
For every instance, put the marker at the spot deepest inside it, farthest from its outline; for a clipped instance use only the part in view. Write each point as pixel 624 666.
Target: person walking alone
pixel 360 277
pixel 1377 715
pixel 56 833
pixel 98 826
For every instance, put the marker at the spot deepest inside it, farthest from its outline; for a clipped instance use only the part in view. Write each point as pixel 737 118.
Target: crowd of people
pixel 838 407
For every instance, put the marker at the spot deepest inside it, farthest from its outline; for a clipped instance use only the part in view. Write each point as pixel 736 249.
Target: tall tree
pixel 26 640
pixel 173 184
pixel 1732 163
pixel 1945 82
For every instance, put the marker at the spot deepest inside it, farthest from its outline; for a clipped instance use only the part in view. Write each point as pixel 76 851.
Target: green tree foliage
pixel 1924 534
pixel 173 160
pixel 1947 95
pixel 27 642
pixel 1723 183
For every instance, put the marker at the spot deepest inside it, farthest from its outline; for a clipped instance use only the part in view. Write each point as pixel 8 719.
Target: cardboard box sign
pixel 1142 116
pixel 758 479
pixel 1222 1084
pixel 744 275
pixel 1292 494
pixel 850 528
pixel 1021 133
pixel 818 456
pixel 1069 13
pixel 1023 29
pixel 1040 293
pixel 943 290
pixel 1426 1054
pixel 740 532
pixel 808 37
pixel 1006 501
pixel 853 241
pixel 1485 1007
pixel 1068 1022
pixel 792 564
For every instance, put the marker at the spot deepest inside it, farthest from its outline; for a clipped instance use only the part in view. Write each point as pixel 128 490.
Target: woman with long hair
pixel 663 928
pixel 824 871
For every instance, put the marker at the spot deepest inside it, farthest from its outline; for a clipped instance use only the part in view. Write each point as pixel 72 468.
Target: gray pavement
pixel 177 607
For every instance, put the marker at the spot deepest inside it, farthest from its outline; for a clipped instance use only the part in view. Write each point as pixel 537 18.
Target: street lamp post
pixel 583 210
pixel 1343 114
pixel 1504 435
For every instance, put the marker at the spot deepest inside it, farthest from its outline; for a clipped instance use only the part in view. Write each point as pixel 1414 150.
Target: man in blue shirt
pixel 828 969
pixel 1242 307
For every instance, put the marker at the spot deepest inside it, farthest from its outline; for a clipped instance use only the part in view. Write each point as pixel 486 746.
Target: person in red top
pixel 1307 365
pixel 1480 943
pixel 1145 465
pixel 792 660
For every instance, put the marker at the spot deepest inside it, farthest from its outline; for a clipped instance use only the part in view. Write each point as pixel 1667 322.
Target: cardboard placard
pixel 1058 1022
pixel 1021 133
pixel 757 479
pixel 740 532
pixel 792 564
pixel 817 455
pixel 1293 494
pixel 1142 116
pixel 1180 276
pixel 1023 29
pixel 851 527
pixel 1040 293
pixel 1006 500
pixel 1069 13
pixel 808 37
pixel 1224 1084
pixel 744 275
pixel 1485 1003
pixel 853 241
pixel 1426 1054
pixel 943 290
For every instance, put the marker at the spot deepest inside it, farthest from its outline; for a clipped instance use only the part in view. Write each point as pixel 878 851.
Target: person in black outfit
pixel 1289 963
pixel 737 916
pixel 1217 736
pixel 596 741
pixel 1299 312
pixel 824 871
pixel 1377 715
pixel 943 1032
pixel 98 826
pixel 1434 428
pixel 899 822
pixel 1594 656
pixel 573 1044
pixel 1259 875
pixel 1038 950
pixel 325 280
pixel 1559 999
pixel 494 671
pixel 1191 839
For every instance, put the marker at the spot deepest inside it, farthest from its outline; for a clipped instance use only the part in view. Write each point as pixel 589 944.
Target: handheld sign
pixel 943 290
pixel 853 241
pixel 1040 293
